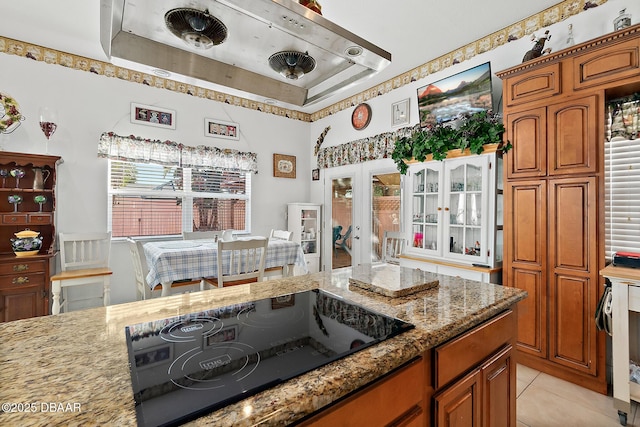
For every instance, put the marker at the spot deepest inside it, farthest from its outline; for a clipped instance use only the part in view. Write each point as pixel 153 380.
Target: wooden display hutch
pixel 24 281
pixel 554 199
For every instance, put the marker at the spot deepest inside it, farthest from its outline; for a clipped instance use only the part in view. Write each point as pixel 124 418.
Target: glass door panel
pixel 385 209
pixel 341 215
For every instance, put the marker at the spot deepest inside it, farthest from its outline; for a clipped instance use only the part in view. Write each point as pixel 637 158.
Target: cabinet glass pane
pixel 309 222
pixel 456 208
pixel 418 236
pixel 498 246
pixel 456 239
pixel 431 211
pixel 432 181
pixel 472 241
pixel 431 236
pixel 474 178
pixel 418 181
pixel 457 179
pixel 418 208
pixel 474 209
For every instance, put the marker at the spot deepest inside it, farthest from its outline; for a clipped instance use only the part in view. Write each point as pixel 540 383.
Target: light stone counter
pixel 72 369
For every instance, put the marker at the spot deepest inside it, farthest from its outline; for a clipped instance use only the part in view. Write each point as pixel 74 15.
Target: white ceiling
pixel 413 31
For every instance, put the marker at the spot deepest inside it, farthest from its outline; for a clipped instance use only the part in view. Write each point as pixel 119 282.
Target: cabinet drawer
pixel 609 64
pixel 14 218
pixel 20 280
pixel 541 83
pixel 634 298
pixel 40 218
pixel 395 400
pixel 468 350
pixel 22 267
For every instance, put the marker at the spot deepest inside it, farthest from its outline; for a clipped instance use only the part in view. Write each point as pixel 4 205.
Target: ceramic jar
pixel 26 243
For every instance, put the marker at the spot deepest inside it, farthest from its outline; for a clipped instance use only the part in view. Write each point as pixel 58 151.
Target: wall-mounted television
pixel 449 99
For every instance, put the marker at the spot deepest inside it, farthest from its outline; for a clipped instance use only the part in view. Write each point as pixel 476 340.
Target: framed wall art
pixel 153 116
pixel 220 129
pixel 284 166
pixel 400 113
pixel 315 174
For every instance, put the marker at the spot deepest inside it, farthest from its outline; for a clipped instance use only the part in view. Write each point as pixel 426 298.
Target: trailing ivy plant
pixel 473 133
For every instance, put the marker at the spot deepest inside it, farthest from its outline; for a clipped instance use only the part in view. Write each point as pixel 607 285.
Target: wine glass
pixel 4 173
pixel 15 199
pixel 17 174
pixel 48 123
pixel 40 200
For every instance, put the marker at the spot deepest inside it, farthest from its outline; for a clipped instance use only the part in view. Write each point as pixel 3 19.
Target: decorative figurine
pixel 537 51
pixel 570 41
pixel 623 20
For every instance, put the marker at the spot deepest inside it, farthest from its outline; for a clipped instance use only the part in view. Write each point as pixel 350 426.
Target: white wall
pixel 89 104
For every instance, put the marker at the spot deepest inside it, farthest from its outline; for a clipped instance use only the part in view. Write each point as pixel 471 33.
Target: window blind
pixel 149 199
pixel 622 185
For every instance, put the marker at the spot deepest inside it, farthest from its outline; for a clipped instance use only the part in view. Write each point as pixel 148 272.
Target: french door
pixel 361 203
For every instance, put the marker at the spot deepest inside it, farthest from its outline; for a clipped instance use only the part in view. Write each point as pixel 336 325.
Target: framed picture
pixel 400 113
pixel 221 129
pixel 153 116
pixel 224 335
pixel 154 356
pixel 284 166
pixel 315 174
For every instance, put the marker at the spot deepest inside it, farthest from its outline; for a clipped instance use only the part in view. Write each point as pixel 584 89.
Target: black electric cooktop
pixel 187 366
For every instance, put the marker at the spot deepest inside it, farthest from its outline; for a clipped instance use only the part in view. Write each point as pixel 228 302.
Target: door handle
pixel 356 237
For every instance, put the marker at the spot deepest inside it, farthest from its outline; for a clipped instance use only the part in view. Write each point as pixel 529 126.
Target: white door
pixel 361 202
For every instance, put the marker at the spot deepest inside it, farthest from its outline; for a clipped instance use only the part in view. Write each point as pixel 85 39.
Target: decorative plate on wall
pixel 361 116
pixel 10 116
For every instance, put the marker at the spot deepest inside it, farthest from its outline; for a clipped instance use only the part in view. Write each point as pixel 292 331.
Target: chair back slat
pixel 281 235
pixel 246 260
pixel 84 250
pixel 392 246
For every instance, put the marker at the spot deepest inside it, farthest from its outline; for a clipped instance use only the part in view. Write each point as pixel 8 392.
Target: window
pixel 147 199
pixel 622 174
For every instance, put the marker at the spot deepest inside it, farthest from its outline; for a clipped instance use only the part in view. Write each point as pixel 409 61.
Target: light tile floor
pixel 546 401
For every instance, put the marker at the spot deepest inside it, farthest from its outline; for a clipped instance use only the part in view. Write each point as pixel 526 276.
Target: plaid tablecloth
pixel 193 259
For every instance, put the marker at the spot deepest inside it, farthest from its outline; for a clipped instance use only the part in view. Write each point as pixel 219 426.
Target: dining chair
pixel 193 235
pixel 141 269
pixel 245 261
pixel 281 234
pixel 392 246
pixel 341 242
pixel 84 260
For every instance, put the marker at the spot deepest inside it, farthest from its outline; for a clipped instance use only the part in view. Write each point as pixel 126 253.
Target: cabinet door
pixel 426 212
pixel 466 188
pixel 21 303
pixel 459 405
pixel 573 137
pixel 527 131
pixel 573 279
pixel 499 390
pixel 525 251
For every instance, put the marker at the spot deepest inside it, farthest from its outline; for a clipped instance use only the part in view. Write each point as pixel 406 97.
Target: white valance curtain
pixel 170 153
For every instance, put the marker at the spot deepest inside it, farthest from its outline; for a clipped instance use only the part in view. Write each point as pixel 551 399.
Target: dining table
pixel 176 260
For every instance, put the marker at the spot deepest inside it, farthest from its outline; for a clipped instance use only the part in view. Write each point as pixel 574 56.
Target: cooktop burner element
pixel 187 366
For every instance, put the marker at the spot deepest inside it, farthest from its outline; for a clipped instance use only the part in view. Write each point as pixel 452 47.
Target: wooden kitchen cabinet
pixel 468 381
pixel 24 281
pixel 554 199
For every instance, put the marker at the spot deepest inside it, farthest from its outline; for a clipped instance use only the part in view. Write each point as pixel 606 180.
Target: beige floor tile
pixel 540 407
pixel 526 373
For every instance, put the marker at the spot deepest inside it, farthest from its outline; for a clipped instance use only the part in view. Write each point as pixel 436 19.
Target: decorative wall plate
pixel 10 116
pixel 361 116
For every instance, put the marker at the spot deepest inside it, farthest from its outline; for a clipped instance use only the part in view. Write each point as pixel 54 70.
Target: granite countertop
pixel 72 368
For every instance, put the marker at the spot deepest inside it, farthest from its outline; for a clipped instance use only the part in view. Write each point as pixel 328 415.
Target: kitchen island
pixel 73 369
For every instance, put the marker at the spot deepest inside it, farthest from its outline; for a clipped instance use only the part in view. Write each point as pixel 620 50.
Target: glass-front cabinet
pixel 304 222
pixel 453 210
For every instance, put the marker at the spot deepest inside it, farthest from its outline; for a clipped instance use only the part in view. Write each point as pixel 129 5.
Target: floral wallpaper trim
pixel 170 153
pixel 52 56
pixel 376 147
pixel 527 26
pixel 547 17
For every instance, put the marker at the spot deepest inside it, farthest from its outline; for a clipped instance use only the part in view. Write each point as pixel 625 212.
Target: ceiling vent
pixel 198 29
pixel 292 64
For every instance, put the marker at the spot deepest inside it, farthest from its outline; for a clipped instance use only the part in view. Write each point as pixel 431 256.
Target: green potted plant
pixel 474 131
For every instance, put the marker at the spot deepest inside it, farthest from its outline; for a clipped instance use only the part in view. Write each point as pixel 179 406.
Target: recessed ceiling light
pixel 353 51
pixel 270 101
pixel 161 73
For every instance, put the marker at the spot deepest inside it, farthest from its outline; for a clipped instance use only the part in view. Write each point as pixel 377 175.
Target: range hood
pixel 317 57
